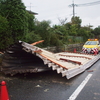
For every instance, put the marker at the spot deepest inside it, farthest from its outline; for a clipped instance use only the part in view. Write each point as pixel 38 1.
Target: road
pixel 52 86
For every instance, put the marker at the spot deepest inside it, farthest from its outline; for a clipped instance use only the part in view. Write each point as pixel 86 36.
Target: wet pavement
pixel 92 89
pixel 41 86
pixel 52 86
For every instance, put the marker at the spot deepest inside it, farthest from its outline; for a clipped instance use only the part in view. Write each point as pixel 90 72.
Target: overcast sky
pixel 59 9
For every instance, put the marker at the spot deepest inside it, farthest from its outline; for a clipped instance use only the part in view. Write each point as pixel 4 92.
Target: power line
pixel 86 4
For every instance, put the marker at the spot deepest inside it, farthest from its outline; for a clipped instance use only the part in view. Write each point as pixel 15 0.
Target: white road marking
pixel 81 86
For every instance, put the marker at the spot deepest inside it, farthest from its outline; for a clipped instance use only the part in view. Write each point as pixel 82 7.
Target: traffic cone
pixel 4 92
pixel 74 50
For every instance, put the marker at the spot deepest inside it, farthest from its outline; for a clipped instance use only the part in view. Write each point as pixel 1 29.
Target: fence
pixel 69 47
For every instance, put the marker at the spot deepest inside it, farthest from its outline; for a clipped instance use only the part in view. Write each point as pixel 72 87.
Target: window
pixel 91 43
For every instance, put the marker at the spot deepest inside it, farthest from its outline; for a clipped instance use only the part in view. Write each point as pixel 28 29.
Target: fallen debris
pixel 23 57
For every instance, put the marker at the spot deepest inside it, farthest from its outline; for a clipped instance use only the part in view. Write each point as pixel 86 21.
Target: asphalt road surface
pixel 52 86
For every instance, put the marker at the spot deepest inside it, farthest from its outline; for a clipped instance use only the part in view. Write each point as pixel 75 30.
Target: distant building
pixel 32 12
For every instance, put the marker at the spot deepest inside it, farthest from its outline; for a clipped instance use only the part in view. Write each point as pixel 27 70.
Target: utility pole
pixel 79 5
pixel 73 5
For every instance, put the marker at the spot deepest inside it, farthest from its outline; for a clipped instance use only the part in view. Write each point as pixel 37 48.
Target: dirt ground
pixel 3 77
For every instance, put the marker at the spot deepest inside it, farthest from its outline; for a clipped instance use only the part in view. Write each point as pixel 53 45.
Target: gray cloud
pixel 54 9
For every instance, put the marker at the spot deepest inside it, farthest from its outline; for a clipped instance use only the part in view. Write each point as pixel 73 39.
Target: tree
pixel 54 41
pixel 42 28
pixel 15 13
pixel 96 32
pixel 85 32
pixel 32 37
pixel 76 20
pixel 61 32
pixel 5 36
pixel 73 30
pixel 62 21
pixel 30 21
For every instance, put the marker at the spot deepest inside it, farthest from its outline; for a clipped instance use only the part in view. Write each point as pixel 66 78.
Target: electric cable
pixel 88 4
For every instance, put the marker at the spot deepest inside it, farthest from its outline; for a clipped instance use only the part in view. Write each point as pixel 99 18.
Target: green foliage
pixel 19 20
pixel 61 33
pixel 55 41
pixel 96 32
pixel 14 11
pixel 30 21
pixel 73 30
pixel 42 28
pixel 32 37
pixel 5 36
pixel 76 20
pixel 16 23
pixel 85 32
pixel 75 39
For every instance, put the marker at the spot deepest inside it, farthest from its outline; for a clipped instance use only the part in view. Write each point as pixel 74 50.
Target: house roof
pixel 32 12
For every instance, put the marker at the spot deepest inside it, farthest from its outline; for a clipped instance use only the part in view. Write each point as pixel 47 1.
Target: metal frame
pixel 69 73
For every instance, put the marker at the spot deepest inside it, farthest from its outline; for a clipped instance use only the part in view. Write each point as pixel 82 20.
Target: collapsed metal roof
pixel 23 57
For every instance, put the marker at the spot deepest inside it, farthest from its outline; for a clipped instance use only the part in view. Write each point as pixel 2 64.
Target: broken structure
pixel 23 57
